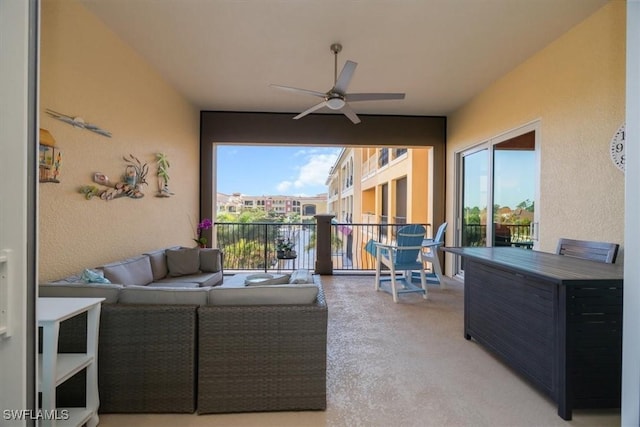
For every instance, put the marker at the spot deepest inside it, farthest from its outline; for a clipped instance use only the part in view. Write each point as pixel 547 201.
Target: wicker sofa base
pixel 146 359
pixel 176 358
pixel 263 358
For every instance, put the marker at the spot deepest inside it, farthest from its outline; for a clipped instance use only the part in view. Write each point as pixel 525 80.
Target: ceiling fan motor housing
pixel 335 101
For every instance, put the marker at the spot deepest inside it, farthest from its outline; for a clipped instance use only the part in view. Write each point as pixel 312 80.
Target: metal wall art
pixel 128 186
pixel 163 175
pixel 78 122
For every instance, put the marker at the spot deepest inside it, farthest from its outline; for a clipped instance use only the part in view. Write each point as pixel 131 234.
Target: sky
pixel 274 170
pixel 515 171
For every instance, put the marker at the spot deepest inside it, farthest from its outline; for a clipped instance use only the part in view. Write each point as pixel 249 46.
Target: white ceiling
pixel 223 54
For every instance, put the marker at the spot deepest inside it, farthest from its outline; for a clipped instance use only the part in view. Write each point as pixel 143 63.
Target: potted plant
pixel 284 248
pixel 201 240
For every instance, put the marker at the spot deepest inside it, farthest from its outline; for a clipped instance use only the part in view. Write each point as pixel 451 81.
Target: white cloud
pixel 315 171
pixel 312 173
pixel 284 186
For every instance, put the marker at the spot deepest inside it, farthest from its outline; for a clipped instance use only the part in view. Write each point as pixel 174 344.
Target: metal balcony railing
pixel 252 246
pixel 504 235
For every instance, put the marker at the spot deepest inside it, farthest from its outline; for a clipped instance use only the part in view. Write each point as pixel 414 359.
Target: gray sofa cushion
pixel 210 260
pixel 201 279
pixel 263 295
pixel 81 290
pixel 153 295
pixel 158 260
pixel 183 261
pixel 132 271
pixel 169 283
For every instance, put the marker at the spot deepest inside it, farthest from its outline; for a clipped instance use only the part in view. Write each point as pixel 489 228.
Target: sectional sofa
pixel 175 339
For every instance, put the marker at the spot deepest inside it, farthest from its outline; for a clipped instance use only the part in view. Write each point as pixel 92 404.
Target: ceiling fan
pixel 337 97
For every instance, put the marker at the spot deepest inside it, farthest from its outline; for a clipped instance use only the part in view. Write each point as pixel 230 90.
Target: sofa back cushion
pixel 129 272
pixel 158 260
pixel 183 261
pixel 81 290
pixel 153 295
pixel 210 260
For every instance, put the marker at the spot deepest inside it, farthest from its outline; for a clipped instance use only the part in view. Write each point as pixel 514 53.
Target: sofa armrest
pixel 110 292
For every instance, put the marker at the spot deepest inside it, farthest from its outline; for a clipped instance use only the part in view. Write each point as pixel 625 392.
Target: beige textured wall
pixel 576 88
pixel 87 71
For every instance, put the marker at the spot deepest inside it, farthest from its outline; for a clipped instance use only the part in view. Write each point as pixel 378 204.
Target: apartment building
pixel 381 185
pixel 305 206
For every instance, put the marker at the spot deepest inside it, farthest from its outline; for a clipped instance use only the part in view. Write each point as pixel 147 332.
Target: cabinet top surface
pixel 542 264
pixel 58 309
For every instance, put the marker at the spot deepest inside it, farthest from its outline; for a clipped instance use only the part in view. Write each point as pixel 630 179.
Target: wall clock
pixel 616 148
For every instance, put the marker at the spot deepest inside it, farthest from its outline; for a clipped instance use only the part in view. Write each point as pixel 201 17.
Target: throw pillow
pixel 301 276
pixel 183 261
pixel 94 276
pixel 262 279
pixel 210 260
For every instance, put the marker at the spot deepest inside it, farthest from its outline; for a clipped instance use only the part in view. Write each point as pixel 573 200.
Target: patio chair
pixel 585 249
pixel 402 258
pixel 430 252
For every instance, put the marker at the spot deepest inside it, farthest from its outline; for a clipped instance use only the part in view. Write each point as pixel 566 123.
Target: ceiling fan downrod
pixel 335 48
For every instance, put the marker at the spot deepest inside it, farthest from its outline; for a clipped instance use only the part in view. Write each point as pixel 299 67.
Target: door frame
pixel 19 34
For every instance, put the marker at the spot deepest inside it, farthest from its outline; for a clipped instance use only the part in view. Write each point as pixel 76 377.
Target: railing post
pixel 324 263
pixel 266 246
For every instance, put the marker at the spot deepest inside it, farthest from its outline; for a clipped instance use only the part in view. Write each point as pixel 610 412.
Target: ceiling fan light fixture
pixel 335 103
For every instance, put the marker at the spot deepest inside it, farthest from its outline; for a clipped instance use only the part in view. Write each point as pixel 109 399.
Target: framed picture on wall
pixel 49 158
pixel 47 155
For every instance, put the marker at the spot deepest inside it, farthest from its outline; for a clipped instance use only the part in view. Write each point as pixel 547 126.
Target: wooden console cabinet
pixel 556 320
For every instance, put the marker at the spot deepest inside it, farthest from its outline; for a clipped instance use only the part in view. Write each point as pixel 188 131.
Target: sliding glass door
pixel 514 190
pixel 475 173
pixel 497 183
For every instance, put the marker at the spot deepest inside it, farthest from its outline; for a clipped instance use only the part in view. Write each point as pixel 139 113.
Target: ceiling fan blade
pixel 345 77
pixel 311 110
pixel 353 97
pixel 297 90
pixel 347 111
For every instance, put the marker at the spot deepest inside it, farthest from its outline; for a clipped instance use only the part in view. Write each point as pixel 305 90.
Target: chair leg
pixel 394 290
pixel 432 258
pixel 435 265
pixel 423 281
pixel 378 262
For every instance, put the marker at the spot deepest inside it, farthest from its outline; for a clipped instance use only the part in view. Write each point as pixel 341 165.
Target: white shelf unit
pixel 55 368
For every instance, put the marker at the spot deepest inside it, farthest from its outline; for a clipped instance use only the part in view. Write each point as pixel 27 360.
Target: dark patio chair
pixel 585 249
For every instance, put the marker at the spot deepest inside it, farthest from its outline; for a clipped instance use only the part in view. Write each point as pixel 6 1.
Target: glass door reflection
pixel 514 177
